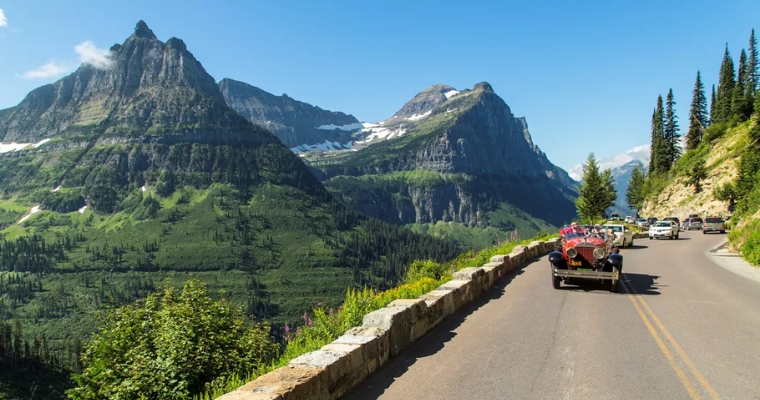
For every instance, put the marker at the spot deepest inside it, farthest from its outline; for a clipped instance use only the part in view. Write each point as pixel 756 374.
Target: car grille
pixel 587 253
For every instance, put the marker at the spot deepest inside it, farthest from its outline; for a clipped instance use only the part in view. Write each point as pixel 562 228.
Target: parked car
pixel 664 229
pixel 630 220
pixel 714 224
pixel 623 235
pixel 582 258
pixel 692 223
pixel 642 223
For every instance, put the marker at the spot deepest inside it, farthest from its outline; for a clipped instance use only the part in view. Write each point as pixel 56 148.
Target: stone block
pixel 337 364
pixel 396 321
pixel 418 307
pixel 468 274
pixel 499 258
pixel 375 344
pixel 462 291
pixel 490 274
pixel 534 249
pixel 289 382
pixel 357 368
pixel 517 256
pixel 440 304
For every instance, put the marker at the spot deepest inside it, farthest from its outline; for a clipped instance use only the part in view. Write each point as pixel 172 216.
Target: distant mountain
pixel 118 179
pixel 299 125
pixel 621 165
pixel 449 155
pixel 622 176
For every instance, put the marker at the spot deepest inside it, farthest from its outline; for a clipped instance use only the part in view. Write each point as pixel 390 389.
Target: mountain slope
pixel 140 173
pixel 622 176
pixel 295 123
pixel 465 159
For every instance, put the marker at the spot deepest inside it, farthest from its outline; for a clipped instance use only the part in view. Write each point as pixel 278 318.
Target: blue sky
pixel 585 76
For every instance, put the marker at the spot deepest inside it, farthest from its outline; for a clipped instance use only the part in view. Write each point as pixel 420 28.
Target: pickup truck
pixel 714 224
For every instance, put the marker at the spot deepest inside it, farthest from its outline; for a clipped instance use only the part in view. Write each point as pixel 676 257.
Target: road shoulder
pixel 732 261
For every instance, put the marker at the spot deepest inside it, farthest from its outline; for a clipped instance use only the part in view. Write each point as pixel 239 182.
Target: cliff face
pixel 471 134
pixel 294 122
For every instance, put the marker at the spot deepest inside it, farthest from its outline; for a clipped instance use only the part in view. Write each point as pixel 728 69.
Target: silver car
pixel 693 223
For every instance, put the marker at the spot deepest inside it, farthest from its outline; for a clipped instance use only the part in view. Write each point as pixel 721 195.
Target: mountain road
pixel 683 328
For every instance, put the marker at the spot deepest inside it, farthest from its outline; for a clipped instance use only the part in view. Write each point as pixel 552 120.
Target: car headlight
pixel 599 253
pixel 572 252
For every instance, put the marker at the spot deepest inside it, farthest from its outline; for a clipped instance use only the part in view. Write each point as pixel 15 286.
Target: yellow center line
pixel 700 378
pixel 673 364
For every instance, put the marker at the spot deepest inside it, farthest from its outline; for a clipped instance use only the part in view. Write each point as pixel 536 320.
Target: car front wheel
pixel 556 281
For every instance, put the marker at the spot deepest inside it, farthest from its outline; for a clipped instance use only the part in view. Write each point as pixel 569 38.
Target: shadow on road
pixel 637 246
pixel 431 343
pixel 642 283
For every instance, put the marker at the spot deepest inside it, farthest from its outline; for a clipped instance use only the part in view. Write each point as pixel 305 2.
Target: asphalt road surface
pixel 685 329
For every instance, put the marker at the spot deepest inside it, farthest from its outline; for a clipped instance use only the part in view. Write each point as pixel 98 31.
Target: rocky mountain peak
pixel 142 31
pixel 484 86
pixel 424 102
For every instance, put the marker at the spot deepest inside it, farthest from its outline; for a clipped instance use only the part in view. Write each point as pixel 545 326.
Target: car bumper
pixel 661 234
pixel 568 273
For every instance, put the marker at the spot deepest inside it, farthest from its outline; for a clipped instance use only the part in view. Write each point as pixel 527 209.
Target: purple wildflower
pixel 319 304
pixel 287 328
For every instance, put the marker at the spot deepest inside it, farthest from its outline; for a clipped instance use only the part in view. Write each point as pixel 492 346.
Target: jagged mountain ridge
pixel 150 89
pixel 480 152
pixel 294 122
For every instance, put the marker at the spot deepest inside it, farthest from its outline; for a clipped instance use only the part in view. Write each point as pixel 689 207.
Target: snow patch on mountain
pixel 451 93
pixel 13 146
pixel 349 127
pixel 416 117
pixel 640 153
pixel 326 146
pixel 33 211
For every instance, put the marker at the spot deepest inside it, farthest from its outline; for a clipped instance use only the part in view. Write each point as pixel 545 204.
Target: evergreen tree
pixel 726 83
pixel 697 115
pixel 753 64
pixel 672 139
pixel 712 105
pixel 597 192
pixel 634 194
pixel 659 144
pixel 739 101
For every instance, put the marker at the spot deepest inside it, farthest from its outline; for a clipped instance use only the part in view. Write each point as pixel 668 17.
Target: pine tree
pixel 697 114
pixel 654 146
pixel 597 192
pixel 634 194
pixel 753 64
pixel 659 144
pixel 739 106
pixel 672 139
pixel 712 105
pixel 726 83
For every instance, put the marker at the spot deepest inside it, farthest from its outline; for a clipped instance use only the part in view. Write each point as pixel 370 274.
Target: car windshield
pixel 714 220
pixel 696 220
pixel 662 224
pixel 615 228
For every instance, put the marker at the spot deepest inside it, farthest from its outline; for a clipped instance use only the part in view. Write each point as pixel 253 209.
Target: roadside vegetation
pixel 191 343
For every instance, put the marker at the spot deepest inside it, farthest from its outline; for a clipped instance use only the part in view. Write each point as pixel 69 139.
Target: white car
pixel 630 220
pixel 623 235
pixel 664 229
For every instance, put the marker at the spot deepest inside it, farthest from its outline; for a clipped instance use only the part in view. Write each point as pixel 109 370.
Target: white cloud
pixel 640 153
pixel 49 70
pixel 3 19
pixel 91 54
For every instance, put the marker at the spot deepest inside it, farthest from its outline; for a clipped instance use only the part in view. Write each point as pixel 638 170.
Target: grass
pixel 324 326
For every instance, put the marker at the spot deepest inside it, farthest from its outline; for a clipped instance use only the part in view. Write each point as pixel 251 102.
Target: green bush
pixel 170 346
pixel 425 269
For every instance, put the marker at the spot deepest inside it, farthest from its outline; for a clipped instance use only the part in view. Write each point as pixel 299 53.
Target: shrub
pixel 170 346
pixel 425 269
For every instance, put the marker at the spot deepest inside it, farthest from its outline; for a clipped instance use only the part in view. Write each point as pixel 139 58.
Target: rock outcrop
pixel 294 122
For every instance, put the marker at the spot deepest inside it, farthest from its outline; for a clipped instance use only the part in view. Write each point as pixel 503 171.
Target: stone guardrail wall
pixel 328 373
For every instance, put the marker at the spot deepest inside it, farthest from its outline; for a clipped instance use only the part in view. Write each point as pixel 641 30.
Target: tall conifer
pixel 697 114
pixel 672 139
pixel 659 153
pixel 712 105
pixel 726 83
pixel 739 105
pixel 753 64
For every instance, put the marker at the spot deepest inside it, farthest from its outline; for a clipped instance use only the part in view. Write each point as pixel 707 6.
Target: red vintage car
pixel 587 258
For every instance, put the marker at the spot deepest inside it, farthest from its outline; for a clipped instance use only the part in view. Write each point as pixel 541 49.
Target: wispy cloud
pixel 91 54
pixel 49 70
pixel 640 153
pixel 3 19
